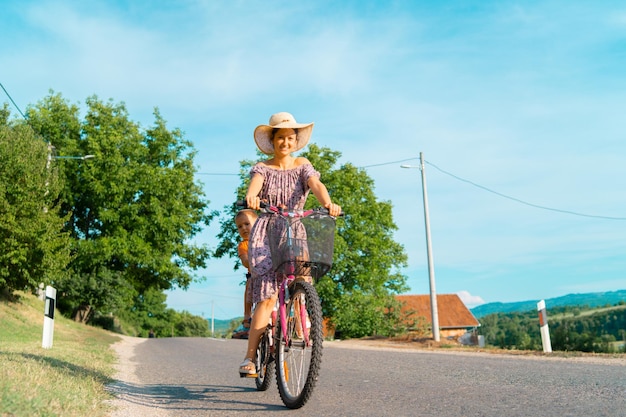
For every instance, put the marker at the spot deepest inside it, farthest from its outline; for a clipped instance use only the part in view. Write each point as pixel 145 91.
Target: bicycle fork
pixel 284 299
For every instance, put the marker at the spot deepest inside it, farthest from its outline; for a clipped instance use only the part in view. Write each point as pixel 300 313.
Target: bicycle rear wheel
pixel 298 362
pixel 264 362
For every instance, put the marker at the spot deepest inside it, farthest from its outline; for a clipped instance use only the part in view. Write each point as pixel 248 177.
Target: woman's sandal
pixel 247 369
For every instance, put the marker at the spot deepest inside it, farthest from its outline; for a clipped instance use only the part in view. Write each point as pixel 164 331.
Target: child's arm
pixel 242 251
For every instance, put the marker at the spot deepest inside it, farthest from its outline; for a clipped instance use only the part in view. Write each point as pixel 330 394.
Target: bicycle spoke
pixel 299 361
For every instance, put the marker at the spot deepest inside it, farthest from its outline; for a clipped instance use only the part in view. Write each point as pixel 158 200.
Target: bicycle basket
pixel 302 246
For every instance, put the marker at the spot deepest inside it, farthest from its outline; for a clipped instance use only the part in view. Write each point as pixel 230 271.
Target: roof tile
pixel 452 312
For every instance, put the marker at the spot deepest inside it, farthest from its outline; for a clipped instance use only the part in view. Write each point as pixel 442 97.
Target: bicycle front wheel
pixel 299 355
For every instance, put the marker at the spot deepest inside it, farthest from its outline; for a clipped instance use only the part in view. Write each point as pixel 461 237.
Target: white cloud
pixel 470 300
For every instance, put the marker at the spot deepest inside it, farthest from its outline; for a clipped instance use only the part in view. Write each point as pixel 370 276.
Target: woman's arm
pixel 321 193
pixel 252 196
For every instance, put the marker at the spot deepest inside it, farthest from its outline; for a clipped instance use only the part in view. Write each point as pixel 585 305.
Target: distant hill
pixel 596 299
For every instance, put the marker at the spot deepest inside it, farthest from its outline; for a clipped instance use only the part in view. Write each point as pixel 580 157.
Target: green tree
pixel 34 248
pixel 358 293
pixel 189 325
pixel 133 208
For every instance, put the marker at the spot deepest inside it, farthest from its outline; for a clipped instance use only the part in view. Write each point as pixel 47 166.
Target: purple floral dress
pixel 280 187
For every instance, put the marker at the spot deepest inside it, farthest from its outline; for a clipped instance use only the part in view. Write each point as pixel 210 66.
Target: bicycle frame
pixel 283 293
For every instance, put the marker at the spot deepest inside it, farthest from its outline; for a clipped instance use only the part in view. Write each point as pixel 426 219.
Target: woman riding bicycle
pixel 282 181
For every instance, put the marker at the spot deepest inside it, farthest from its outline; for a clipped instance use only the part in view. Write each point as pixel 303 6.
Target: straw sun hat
pixel 263 133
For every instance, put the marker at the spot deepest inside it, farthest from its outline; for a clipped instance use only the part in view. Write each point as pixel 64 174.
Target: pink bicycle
pixel 301 245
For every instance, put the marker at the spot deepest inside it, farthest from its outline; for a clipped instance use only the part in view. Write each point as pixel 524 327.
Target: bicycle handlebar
pixel 265 205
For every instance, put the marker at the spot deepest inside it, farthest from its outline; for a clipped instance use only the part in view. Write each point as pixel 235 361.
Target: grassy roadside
pixel 67 380
pixel 587 312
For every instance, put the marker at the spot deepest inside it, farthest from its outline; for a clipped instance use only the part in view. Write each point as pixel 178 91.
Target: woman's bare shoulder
pixel 264 163
pixel 300 160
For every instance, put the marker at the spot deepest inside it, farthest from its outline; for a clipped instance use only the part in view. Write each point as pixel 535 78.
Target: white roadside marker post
pixel 543 323
pixel 48 319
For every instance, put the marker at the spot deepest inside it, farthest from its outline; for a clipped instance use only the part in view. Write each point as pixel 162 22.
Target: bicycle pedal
pixel 243 375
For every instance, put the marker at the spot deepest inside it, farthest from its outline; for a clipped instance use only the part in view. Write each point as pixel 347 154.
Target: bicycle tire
pixel 298 365
pixel 264 361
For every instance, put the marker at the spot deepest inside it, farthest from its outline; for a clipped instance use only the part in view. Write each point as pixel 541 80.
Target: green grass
pixel 586 312
pixel 67 380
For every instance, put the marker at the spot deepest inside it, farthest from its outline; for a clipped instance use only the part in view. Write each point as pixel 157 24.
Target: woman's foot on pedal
pixel 247 369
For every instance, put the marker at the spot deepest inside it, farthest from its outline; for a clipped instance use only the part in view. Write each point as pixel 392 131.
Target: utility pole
pixel 434 312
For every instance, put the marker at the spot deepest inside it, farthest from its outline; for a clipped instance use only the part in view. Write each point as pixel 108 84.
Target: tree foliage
pixel 148 312
pixel 132 208
pixel 358 291
pixel 34 248
pixel 570 330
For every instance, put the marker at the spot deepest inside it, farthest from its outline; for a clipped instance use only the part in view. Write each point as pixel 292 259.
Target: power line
pixel 12 101
pixel 482 187
pixel 216 173
pixel 388 163
pixel 362 167
pixel 22 114
pixel 522 201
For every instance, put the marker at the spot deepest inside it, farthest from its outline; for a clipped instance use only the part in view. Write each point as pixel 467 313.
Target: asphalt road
pixel 198 377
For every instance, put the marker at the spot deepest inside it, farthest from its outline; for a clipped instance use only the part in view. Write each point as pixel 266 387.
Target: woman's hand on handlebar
pixel 253 203
pixel 333 209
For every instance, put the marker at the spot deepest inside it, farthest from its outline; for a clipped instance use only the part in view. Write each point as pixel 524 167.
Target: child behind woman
pixel 244 220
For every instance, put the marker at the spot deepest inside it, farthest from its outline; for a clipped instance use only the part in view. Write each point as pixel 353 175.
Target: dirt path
pixel 125 403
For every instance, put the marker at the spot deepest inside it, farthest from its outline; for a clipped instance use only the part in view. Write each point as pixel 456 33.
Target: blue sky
pixel 523 98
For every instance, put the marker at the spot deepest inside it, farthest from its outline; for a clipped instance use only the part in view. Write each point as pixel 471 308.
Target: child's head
pixel 244 221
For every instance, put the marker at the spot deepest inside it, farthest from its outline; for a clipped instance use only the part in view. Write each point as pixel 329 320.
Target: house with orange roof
pixel 455 319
